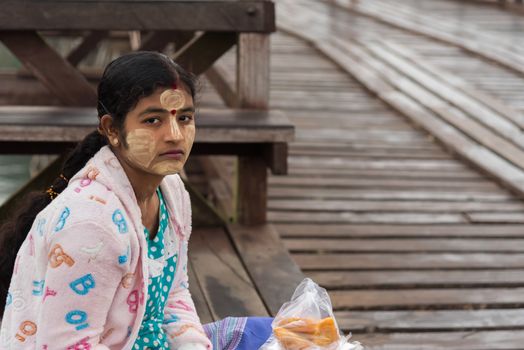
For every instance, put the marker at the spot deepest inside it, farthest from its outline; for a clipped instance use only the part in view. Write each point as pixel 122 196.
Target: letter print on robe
pixel 83 285
pixel 62 219
pixel 120 221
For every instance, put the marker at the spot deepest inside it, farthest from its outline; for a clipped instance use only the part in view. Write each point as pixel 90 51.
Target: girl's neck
pixel 144 186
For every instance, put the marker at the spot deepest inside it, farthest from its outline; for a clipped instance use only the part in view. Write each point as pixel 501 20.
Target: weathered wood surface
pixel 57 124
pixel 404 235
pixel 252 92
pixel 221 276
pixel 239 16
pixel 57 74
pixel 450 114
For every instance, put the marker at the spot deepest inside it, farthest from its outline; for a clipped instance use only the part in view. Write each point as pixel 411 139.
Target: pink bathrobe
pixel 80 278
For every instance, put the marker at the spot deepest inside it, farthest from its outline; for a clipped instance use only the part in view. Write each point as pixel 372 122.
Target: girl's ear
pixel 107 128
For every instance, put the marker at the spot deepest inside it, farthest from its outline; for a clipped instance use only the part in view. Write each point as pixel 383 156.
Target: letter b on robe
pixel 82 285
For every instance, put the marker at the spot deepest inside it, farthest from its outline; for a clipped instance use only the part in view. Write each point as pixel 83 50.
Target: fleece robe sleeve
pixel 86 263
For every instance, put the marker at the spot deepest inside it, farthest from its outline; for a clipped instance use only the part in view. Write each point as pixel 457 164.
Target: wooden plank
pixel 379 154
pixel 474 108
pixel 427 298
pixel 324 245
pixel 411 279
pixel 217 77
pixel 490 51
pixel 449 114
pixel 316 205
pixel 456 81
pixel 489 217
pixel 457 340
pixel 203 50
pixel 227 287
pixel 58 75
pixel 442 320
pixel 239 16
pixel 367 217
pixel 202 309
pixel 338 134
pixel 489 162
pixel 407 231
pixel 462 175
pixel 271 268
pixel 55 124
pixel 388 194
pixel 413 261
pixel 383 164
pixel 328 182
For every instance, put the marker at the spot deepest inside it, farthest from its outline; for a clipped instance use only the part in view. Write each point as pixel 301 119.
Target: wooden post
pixel 253 92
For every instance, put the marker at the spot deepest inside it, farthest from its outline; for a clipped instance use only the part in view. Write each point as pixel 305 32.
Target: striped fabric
pixel 239 333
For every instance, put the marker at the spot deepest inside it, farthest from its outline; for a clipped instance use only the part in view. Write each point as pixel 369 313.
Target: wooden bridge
pixel 404 186
pixel 404 192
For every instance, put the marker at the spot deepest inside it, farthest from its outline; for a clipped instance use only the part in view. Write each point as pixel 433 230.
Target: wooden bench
pixel 52 129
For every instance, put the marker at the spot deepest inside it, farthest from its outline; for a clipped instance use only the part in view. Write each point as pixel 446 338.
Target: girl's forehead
pixel 166 98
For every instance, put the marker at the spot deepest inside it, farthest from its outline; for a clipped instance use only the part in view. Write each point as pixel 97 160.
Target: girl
pixel 102 255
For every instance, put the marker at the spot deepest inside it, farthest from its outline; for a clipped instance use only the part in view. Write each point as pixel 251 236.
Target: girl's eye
pixel 152 120
pixel 185 118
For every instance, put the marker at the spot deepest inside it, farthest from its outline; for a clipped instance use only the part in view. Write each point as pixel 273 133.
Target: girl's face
pixel 159 132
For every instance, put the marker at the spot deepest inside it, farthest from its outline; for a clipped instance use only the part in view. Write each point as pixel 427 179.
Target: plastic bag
pixel 307 323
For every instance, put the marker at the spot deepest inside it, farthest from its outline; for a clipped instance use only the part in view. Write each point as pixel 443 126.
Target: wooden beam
pixel 219 180
pixel 253 71
pixel 158 40
pixel 88 44
pixel 252 92
pixel 276 157
pixel 201 52
pixel 204 214
pixel 251 190
pixel 228 16
pixel 58 75
pixel 217 76
pixel 68 124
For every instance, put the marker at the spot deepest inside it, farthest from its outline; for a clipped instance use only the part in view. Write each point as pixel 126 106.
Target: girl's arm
pixel 83 273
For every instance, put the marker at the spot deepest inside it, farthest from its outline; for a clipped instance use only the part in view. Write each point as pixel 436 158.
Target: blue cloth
pixel 239 333
pixel 257 331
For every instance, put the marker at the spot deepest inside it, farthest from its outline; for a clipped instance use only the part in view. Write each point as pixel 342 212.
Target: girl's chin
pixel 167 169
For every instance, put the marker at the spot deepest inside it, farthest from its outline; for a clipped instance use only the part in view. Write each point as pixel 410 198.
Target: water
pixel 14 173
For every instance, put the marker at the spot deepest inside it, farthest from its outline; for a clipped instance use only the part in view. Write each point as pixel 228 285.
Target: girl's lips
pixel 174 154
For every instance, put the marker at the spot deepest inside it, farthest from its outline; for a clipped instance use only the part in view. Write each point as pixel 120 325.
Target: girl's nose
pixel 174 130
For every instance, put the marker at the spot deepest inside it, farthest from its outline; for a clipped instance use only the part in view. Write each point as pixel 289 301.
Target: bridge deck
pixel 418 248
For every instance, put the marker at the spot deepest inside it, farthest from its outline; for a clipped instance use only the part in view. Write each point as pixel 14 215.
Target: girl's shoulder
pixel 92 205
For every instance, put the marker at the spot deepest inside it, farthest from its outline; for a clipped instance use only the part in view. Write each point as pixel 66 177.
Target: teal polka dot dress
pixel 151 335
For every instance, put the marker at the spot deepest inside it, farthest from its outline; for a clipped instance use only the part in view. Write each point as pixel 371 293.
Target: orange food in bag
pixel 301 333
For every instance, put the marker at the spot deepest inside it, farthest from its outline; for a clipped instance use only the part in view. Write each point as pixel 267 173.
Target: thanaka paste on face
pixel 141 146
pixel 172 100
pixel 142 143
